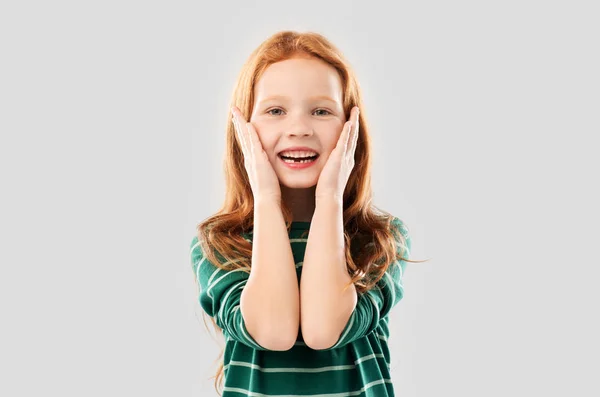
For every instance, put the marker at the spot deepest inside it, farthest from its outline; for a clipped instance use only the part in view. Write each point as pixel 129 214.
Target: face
pixel 298 102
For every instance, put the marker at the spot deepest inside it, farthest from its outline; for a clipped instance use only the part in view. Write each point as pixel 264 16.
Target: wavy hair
pixel 370 241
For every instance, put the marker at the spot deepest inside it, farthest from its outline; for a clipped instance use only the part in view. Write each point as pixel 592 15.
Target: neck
pixel 301 201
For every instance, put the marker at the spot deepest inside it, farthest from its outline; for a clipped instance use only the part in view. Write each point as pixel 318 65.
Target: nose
pixel 299 125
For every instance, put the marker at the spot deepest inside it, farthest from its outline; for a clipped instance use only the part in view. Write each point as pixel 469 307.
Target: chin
pixel 298 182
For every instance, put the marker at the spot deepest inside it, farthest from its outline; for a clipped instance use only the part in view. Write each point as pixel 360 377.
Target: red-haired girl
pixel 298 269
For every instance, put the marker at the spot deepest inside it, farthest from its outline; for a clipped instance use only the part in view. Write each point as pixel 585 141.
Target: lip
pixel 298 148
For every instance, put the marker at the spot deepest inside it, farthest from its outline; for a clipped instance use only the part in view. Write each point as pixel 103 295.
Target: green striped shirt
pixel 357 365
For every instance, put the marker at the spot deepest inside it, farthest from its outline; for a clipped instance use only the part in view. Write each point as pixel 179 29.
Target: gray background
pixel 483 115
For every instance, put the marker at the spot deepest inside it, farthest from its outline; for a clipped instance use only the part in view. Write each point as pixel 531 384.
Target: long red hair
pixel 370 241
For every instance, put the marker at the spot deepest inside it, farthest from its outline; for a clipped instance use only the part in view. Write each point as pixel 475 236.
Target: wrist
pixel 330 200
pixel 267 201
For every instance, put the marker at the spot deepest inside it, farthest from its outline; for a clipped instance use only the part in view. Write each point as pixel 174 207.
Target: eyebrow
pixel 283 97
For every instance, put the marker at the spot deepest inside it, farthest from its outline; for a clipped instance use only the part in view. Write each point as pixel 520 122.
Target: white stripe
pixel 198 271
pixel 223 302
pixel 305 370
pixel 374 303
pixel 369 357
pixel 349 328
pixel 217 270
pixel 294 370
pixel 248 338
pixel 390 284
pixel 399 268
pixel 194 246
pixel 298 240
pixel 220 278
pixel 345 394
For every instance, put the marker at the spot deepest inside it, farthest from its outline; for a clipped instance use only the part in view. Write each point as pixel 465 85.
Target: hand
pixel 263 180
pixel 335 173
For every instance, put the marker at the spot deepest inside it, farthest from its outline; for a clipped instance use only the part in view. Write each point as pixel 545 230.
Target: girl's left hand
pixel 335 173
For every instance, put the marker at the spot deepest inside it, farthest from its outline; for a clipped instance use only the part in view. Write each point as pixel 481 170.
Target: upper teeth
pixel 297 154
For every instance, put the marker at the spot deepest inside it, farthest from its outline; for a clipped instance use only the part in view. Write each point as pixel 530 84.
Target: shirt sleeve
pixel 220 293
pixel 372 306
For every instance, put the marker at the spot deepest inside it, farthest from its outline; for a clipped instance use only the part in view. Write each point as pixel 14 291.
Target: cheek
pixel 266 139
pixel 332 139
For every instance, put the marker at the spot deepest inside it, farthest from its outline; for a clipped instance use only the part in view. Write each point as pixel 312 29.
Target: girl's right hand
pixel 263 180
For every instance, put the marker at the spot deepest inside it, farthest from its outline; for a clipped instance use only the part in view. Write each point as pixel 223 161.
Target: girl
pixel 298 269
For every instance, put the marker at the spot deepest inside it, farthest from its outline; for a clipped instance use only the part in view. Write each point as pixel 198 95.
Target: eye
pixel 326 111
pixel 270 110
pixel 320 109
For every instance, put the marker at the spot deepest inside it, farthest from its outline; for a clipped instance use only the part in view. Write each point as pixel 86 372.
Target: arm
pixel 369 308
pixel 326 308
pixel 260 309
pixel 220 292
pixel 270 302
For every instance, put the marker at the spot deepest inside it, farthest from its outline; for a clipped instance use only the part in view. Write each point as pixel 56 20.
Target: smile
pixel 298 163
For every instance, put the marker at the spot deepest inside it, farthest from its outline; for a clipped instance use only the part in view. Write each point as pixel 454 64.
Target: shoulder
pixel 194 241
pixel 401 233
pixel 195 249
pixel 198 247
pixel 399 225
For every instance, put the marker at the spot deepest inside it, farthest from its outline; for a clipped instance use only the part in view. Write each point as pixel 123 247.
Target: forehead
pixel 299 77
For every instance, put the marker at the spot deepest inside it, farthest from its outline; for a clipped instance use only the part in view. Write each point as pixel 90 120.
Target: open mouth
pixel 298 160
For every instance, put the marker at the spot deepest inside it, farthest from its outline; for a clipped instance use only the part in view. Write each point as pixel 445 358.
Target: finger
pixel 347 138
pixel 348 129
pixel 341 143
pixel 356 130
pixel 257 144
pixel 251 138
pixel 240 136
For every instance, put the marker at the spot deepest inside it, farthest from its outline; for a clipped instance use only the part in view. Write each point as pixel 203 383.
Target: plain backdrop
pixel 484 118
